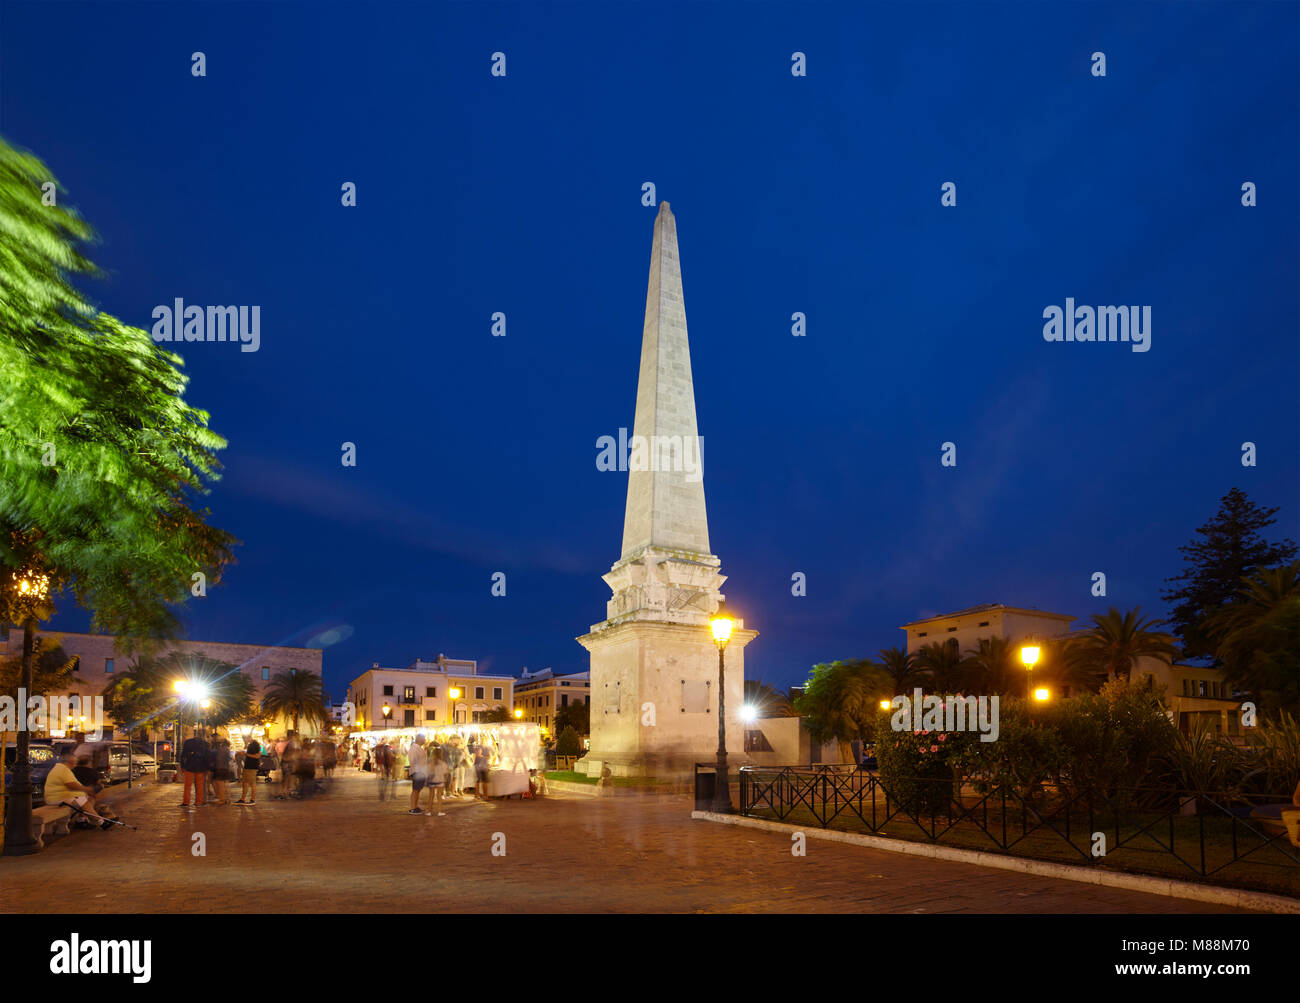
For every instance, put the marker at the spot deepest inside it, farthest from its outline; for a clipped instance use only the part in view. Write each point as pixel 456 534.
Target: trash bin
pixel 705 788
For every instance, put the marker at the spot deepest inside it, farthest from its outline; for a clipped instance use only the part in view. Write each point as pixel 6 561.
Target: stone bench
pixel 51 818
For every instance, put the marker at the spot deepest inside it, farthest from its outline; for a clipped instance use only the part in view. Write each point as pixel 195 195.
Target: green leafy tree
pixel 1257 637
pixel 840 700
pixel 575 715
pixel 1228 548
pixel 52 670
pixel 497 715
pixel 297 695
pixel 568 743
pixel 1111 648
pixel 101 457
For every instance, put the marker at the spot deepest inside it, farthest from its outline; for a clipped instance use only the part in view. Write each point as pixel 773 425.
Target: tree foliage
pixel 102 458
pixel 297 695
pixel 1257 637
pixel 1227 549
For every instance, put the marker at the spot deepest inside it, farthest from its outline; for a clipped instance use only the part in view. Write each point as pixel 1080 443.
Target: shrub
pixel 916 768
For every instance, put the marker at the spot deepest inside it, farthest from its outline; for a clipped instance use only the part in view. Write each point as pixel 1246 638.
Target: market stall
pixel 513 750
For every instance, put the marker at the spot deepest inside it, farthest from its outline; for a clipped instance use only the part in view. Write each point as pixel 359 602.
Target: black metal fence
pixel 1206 835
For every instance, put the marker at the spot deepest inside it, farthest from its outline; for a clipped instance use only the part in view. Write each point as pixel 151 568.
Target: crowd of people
pixel 212 764
pixel 446 769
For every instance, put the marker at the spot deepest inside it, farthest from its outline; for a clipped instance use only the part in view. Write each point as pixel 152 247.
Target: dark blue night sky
pixel 822 195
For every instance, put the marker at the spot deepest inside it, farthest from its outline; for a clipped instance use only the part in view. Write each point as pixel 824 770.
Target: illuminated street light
pixel 721 625
pixel 1029 655
pixel 1041 694
pixel 519 713
pixel 748 714
pixel 885 705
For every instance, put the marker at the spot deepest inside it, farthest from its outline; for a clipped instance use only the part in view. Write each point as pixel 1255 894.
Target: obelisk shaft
pixel 665 506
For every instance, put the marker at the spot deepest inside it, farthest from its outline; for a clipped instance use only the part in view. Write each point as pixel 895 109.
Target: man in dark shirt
pixel 252 760
pixel 196 761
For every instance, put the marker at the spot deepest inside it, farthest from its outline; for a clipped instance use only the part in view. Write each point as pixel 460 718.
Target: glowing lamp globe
pixel 721 625
pixel 1041 694
pixel 1029 655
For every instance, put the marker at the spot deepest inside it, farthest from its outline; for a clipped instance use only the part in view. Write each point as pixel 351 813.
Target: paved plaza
pixel 349 852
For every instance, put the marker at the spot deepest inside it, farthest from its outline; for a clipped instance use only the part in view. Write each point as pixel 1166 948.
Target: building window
pixel 1202 682
pixel 409 716
pixel 408 694
pixel 564 684
pixel 431 715
pixel 266 672
pixel 496 692
pixel 923 633
pixel 108 665
pixel 564 699
pixel 1187 686
pixel 984 623
pixel 388 691
pixel 951 629
pixel 431 691
pixel 478 693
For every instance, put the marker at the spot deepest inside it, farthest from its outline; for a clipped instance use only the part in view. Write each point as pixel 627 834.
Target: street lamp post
pixel 30 591
pixel 388 713
pixel 1029 655
pixel 721 625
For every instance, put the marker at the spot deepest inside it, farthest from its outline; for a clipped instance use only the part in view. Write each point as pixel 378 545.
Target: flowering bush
pixel 916 768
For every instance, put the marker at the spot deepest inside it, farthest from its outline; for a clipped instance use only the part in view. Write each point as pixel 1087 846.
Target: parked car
pixel 41 758
pixel 111 760
pixel 143 759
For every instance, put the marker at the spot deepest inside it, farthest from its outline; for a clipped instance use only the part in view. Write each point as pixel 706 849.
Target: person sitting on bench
pixel 63 788
pixel 88 776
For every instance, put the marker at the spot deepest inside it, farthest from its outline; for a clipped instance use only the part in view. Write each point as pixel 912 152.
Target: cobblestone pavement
pixel 348 851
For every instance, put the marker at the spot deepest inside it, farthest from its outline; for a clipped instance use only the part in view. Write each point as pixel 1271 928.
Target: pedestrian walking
pixel 481 772
pixel 196 761
pixel 222 770
pixel 248 779
pixel 438 773
pixel 419 772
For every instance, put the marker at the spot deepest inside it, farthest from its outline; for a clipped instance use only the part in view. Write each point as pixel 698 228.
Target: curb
pixel 1237 897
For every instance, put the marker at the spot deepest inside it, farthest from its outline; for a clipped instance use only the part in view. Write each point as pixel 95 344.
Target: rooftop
pixel 992 607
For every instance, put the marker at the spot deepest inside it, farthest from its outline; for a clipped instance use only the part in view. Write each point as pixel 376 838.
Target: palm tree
pixel 994 666
pixel 1115 643
pixel 767 701
pixel 296 694
pixel 940 664
pixel 1258 636
pixel 899 666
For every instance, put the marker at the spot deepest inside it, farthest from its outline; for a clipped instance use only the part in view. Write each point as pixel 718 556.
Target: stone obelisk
pixel 654 666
